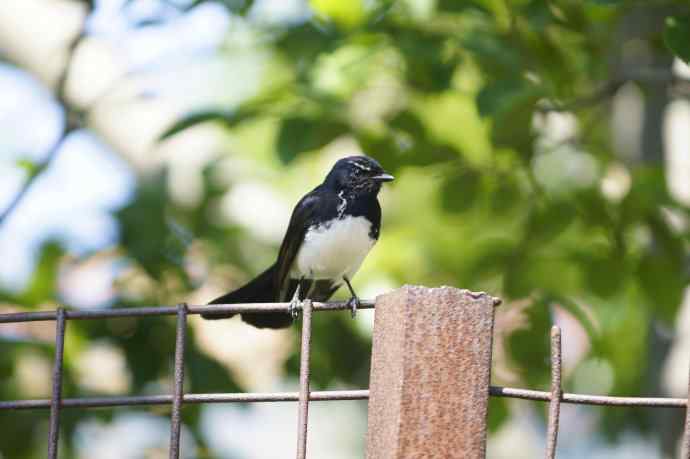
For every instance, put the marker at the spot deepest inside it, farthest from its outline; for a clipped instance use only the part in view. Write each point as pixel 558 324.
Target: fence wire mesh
pixel 178 398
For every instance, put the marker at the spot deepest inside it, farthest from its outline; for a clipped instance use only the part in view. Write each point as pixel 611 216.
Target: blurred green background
pixel 152 150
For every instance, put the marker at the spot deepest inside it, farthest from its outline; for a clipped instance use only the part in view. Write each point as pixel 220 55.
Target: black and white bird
pixel 331 231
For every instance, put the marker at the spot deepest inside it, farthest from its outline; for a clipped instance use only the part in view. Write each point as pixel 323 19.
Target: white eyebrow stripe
pixel 360 165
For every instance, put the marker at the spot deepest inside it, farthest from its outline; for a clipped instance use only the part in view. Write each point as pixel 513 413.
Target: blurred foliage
pixel 458 98
pixel 676 34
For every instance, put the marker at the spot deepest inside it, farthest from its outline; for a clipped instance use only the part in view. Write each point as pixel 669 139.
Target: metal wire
pixel 685 453
pixel 243 397
pixel 90 314
pixel 178 389
pixel 555 397
pixel 583 399
pixel 55 405
pixel 357 394
pixel 556 393
pixel 305 351
pixel 178 397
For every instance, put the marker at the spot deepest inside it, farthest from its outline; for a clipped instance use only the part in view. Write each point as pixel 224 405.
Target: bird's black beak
pixel 384 177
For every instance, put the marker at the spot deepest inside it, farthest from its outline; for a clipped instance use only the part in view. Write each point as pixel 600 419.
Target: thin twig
pixel 605 92
pixel 659 76
pixel 71 122
pixel 35 174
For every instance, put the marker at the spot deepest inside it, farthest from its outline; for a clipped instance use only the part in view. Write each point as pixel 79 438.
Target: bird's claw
pixel 295 307
pixel 353 303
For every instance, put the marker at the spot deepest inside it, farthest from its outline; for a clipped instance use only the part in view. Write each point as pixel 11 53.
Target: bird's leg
pixel 295 303
pixel 353 302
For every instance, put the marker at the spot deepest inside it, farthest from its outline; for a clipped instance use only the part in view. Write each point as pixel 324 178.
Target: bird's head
pixel 359 175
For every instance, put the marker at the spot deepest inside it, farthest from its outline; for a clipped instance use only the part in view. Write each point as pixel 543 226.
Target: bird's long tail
pixel 261 289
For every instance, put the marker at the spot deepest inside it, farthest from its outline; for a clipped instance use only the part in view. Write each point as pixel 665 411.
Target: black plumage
pixel 330 232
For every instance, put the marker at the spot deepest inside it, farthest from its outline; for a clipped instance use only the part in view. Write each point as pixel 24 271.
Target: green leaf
pixel 494 53
pixel 584 318
pixel 146 233
pixel 662 284
pixel 648 191
pixel 428 65
pixel 226 118
pixel 498 413
pixel 662 271
pixel 461 191
pixel 32 169
pixel 548 220
pixel 303 43
pixel 493 255
pixel 518 279
pixel 510 106
pixel 498 96
pixel 43 284
pixel 504 193
pixel 406 143
pixel 677 36
pixel 337 363
pixel 530 347
pixel 604 272
pixel 299 134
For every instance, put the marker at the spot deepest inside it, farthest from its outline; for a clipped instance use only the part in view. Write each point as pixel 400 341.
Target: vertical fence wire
pixel 685 452
pixel 56 398
pixel 556 393
pixel 178 389
pixel 303 417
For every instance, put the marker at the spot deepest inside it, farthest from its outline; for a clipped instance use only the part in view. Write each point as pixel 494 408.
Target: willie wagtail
pixel 330 232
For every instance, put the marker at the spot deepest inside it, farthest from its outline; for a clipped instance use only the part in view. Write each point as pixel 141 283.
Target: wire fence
pixel 178 398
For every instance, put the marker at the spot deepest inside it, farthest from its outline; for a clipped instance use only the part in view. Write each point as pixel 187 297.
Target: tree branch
pixel 35 174
pixel 650 75
pixel 72 121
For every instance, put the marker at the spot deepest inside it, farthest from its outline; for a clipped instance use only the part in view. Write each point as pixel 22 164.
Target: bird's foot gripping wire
pixel 295 307
pixel 353 303
pixel 295 304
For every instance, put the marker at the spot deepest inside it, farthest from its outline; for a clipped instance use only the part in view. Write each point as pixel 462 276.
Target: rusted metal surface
pixel 556 393
pixel 303 410
pixel 431 361
pixel 178 388
pixel 55 405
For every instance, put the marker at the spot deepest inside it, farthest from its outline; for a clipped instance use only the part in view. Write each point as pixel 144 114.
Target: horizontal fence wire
pixel 239 397
pixel 356 394
pixel 584 399
pixel 92 314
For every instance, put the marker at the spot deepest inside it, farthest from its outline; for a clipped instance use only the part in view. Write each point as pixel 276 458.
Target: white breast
pixel 333 250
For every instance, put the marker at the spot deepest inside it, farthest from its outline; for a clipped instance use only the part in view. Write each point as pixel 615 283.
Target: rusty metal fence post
pixel 429 386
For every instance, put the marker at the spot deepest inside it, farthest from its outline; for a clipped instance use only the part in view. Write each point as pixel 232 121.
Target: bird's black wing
pixel 302 217
pixel 310 210
pixel 317 206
